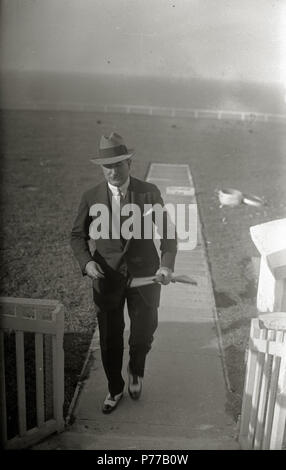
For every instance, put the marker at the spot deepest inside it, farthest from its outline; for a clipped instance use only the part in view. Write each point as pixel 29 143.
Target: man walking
pixel 116 260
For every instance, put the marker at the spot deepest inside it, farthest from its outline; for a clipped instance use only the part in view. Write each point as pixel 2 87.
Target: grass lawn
pixel 45 168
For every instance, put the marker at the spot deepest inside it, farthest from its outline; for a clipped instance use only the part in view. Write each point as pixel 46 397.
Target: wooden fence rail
pixel 44 320
pixel 263 414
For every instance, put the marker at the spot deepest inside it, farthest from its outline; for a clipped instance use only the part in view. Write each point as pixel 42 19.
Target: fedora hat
pixel 112 149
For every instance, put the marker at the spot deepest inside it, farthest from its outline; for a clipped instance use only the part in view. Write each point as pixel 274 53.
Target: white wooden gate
pixel 45 320
pixel 263 414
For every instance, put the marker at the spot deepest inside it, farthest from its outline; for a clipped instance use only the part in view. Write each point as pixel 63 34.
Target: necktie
pixel 118 196
pixel 117 199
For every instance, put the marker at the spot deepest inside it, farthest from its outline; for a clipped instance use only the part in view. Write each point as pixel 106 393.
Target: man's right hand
pixel 93 270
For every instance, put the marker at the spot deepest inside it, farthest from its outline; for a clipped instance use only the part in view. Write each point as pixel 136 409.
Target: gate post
pixel 270 240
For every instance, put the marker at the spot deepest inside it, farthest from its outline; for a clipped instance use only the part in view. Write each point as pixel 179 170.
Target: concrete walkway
pixel 184 389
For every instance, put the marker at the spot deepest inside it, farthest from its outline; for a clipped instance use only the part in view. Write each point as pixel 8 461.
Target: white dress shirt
pixel 118 194
pixel 120 191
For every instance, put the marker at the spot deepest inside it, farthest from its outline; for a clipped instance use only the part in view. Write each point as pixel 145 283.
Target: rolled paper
pixel 143 281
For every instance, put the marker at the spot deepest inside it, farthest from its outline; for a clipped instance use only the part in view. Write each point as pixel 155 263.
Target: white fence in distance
pixel 162 111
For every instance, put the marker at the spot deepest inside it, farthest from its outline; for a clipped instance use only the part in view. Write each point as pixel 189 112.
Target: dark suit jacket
pixel 140 255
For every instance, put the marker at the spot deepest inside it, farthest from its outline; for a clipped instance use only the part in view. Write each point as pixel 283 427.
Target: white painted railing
pixel 263 415
pixel 45 319
pixel 270 240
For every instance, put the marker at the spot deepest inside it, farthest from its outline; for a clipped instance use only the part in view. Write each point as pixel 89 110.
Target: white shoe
pixel 111 402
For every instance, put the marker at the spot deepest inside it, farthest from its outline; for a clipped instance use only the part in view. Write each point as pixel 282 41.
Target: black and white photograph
pixel 143 228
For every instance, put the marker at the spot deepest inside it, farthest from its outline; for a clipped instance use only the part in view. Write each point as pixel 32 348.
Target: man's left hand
pixel 164 275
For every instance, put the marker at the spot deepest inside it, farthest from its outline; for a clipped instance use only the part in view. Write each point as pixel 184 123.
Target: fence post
pixel 40 394
pixel 3 414
pixel 58 361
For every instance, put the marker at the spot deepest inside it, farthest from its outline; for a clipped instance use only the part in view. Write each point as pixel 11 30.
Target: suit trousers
pixel 143 323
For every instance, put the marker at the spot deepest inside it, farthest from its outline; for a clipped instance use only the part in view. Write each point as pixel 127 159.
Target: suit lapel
pixel 132 190
pixel 101 196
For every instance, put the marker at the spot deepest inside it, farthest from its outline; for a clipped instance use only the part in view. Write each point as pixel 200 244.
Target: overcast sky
pixel 228 39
